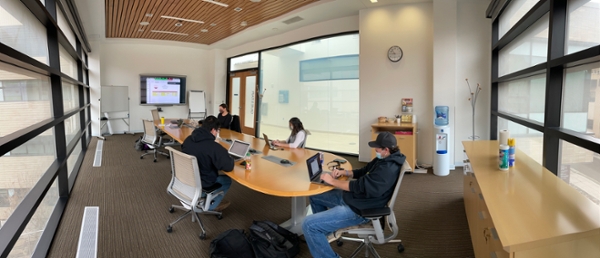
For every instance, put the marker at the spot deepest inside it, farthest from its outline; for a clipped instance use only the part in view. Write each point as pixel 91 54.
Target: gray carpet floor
pixel 131 194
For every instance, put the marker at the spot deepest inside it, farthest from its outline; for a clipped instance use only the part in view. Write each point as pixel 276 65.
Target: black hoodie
pixel 374 184
pixel 211 156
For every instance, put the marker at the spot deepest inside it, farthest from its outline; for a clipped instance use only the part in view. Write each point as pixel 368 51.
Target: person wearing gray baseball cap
pixel 339 208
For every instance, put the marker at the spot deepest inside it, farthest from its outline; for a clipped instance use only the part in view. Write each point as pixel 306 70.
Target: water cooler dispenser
pixel 441 163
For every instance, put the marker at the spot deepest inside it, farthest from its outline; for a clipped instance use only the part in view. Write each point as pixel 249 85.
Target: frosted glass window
pixel 524 97
pixel 68 65
pixel 528 49
pixel 579 168
pixel 72 127
pixel 322 105
pixel 21 30
pixel 244 62
pixel 581 99
pixel 63 24
pixel 73 158
pixel 583 25
pixel 515 10
pixel 70 96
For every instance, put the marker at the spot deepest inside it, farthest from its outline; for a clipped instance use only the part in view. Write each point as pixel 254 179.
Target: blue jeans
pixel 225 182
pixel 325 221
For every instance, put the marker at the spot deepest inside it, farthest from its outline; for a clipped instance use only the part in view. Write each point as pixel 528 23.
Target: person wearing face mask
pixel 224 116
pixel 297 137
pixel 212 158
pixel 339 208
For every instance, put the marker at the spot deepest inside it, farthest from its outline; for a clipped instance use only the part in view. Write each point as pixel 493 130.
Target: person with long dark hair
pixel 297 137
pixel 224 116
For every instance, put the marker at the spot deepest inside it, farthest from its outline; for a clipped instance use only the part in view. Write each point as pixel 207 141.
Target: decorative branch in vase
pixel 473 100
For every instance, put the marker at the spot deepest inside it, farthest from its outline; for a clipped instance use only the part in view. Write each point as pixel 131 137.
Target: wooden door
pixel 243 99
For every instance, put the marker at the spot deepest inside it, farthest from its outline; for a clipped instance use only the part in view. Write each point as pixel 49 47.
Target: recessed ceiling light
pixel 215 2
pixel 140 30
pixel 149 15
pixel 244 23
pixel 237 9
pixel 256 1
pixel 196 35
pixel 144 23
pixel 169 32
pixel 213 24
pixel 373 1
pixel 181 19
pixel 178 24
pixel 203 30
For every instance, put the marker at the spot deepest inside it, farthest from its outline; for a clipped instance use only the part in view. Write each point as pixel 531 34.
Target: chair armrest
pixel 211 188
pixel 375 212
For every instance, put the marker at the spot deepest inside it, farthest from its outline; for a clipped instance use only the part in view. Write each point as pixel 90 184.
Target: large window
pixel 316 81
pixel 583 29
pixel 21 30
pixel 35 134
pixel 546 89
pixel 24 99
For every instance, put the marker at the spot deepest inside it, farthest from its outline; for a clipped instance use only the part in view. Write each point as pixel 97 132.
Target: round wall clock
pixel 395 53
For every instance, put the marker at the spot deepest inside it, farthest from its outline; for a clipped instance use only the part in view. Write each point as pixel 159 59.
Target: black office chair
pixel 235 124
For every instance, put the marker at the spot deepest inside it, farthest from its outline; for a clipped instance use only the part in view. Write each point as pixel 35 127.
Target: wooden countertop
pixel 266 176
pixel 530 206
pixel 394 125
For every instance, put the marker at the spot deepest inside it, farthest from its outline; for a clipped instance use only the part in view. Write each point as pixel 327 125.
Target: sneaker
pixel 224 204
pixel 334 236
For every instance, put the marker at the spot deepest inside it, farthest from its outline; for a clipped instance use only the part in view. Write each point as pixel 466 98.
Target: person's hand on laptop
pixel 338 173
pixel 327 178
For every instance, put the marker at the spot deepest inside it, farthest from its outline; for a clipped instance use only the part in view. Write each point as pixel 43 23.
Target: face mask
pixel 378 155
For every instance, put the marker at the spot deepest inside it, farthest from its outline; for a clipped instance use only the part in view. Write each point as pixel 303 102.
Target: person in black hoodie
pixel 339 208
pixel 212 157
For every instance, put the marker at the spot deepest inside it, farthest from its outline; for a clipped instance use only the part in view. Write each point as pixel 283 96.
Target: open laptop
pixel 269 142
pixel 238 149
pixel 315 169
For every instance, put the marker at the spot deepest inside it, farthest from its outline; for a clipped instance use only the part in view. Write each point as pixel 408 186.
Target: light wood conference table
pixel 269 177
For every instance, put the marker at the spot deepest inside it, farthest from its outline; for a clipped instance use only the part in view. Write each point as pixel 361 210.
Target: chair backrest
pixel 235 124
pixel 150 135
pixel 391 219
pixel 155 115
pixel 303 143
pixel 185 183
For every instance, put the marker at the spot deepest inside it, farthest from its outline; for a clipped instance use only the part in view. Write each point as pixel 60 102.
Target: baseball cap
pixel 384 140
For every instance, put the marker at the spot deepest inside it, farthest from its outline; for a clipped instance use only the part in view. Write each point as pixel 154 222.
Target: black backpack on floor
pixel 269 240
pixel 232 243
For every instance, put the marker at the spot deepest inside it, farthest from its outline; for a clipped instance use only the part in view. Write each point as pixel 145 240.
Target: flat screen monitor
pixel 162 90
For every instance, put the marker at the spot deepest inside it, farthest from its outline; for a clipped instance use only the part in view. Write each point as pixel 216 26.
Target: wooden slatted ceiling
pixel 123 18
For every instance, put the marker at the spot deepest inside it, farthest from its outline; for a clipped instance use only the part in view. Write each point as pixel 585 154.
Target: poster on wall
pixel 284 96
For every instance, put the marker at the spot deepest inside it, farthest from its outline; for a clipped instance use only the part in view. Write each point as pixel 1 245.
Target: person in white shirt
pixel 297 138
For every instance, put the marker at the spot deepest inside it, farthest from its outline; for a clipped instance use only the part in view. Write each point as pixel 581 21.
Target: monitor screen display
pixel 162 90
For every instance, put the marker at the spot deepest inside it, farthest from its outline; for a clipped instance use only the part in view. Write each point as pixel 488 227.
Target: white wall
pixel 121 63
pixel 384 83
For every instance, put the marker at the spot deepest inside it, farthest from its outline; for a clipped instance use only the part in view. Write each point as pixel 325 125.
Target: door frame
pixel 256 93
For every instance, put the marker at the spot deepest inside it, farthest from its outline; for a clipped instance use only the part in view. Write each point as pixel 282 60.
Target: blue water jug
pixel 441 115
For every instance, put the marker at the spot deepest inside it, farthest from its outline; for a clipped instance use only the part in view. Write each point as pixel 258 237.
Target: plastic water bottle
pixel 248 162
pixel 441 115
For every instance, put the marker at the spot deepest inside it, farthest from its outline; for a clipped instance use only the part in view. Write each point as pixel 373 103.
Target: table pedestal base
pixel 299 212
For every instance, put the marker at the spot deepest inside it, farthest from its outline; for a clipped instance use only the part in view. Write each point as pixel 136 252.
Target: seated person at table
pixel 224 116
pixel 339 208
pixel 297 138
pixel 212 157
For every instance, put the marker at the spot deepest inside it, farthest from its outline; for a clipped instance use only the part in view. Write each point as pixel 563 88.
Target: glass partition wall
pixel 316 81
pixel 44 120
pixel 545 83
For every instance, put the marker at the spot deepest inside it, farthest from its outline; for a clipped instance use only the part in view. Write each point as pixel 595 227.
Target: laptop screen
pixel 314 165
pixel 239 148
pixel 267 141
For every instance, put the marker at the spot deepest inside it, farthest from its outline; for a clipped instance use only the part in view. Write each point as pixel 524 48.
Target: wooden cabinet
pixel 525 212
pixel 406 136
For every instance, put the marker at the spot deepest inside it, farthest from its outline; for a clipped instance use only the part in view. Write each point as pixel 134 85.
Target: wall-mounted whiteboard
pixel 197 101
pixel 114 99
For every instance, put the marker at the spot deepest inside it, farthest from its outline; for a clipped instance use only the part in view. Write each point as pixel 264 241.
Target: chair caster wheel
pixel 155 161
pixel 171 210
pixel 339 242
pixel 203 236
pixel 220 216
pixel 400 248
pixel 141 157
pixel 169 229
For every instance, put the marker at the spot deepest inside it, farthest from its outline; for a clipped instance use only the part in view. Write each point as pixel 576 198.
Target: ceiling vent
pixel 293 20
